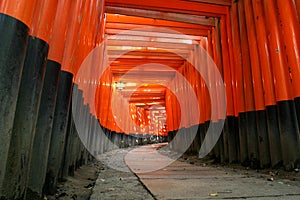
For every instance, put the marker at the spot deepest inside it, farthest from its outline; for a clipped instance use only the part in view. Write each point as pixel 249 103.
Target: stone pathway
pixel 116 181
pixel 182 180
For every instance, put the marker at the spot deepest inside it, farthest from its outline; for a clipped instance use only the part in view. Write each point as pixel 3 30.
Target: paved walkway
pixel 181 180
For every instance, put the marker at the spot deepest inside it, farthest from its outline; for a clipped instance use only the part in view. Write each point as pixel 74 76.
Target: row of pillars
pixel 41 48
pixel 256 49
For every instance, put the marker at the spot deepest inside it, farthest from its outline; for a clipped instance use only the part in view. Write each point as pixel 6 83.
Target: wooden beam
pixel 154 39
pixel 158 76
pixel 159 45
pixel 130 65
pixel 174 6
pixel 174 30
pixel 217 2
pixel 146 57
pixel 147 53
pixel 111 32
pixel 121 69
pixel 116 18
pixel 175 17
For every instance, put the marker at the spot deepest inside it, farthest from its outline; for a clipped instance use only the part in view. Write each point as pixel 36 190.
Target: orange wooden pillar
pixel 248 117
pixel 63 99
pixel 262 129
pixel 45 122
pixel 17 19
pixel 199 91
pixel 297 6
pixel 283 89
pixel 227 66
pixel 29 98
pixel 268 84
pixel 291 38
pixel 237 148
pixel 169 115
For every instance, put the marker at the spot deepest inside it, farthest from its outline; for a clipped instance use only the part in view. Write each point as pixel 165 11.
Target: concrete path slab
pixel 181 180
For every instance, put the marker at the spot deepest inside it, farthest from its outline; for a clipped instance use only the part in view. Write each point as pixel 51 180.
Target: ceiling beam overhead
pixel 157 45
pixel 217 2
pixel 155 77
pixel 175 17
pixel 150 57
pixel 187 31
pixel 115 18
pixel 174 6
pixel 154 39
pixel 128 66
pixel 112 32
pixel 147 101
pixel 147 53
pixel 136 94
pixel 154 62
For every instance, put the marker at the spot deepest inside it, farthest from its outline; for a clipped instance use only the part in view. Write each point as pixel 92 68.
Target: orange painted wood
pixel 23 10
pixel 60 27
pixel 297 6
pixel 69 59
pixel 85 34
pixel 248 85
pixel 112 18
pixel 263 50
pixel 218 2
pixel 254 57
pixel 177 30
pixel 44 17
pixel 162 15
pixel 283 87
pixel 172 6
pixel 211 85
pixel 238 68
pixel 227 68
pixel 291 38
pixel 231 59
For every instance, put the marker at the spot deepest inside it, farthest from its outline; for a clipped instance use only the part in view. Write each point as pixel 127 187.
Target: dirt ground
pixel 79 186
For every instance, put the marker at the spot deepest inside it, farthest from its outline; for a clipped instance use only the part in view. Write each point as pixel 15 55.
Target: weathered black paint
pixel 263 139
pixel 243 139
pixel 25 118
pixel 41 143
pixel 297 106
pixel 252 139
pixel 58 136
pixel 12 55
pixel 274 136
pixel 289 133
pixel 233 139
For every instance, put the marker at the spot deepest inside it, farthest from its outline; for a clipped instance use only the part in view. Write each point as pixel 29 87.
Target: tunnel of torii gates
pixel 132 91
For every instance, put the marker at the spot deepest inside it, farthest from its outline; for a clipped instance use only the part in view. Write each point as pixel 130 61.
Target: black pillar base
pixel 289 134
pixel 13 44
pixel 41 144
pixel 25 118
pixel 58 136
